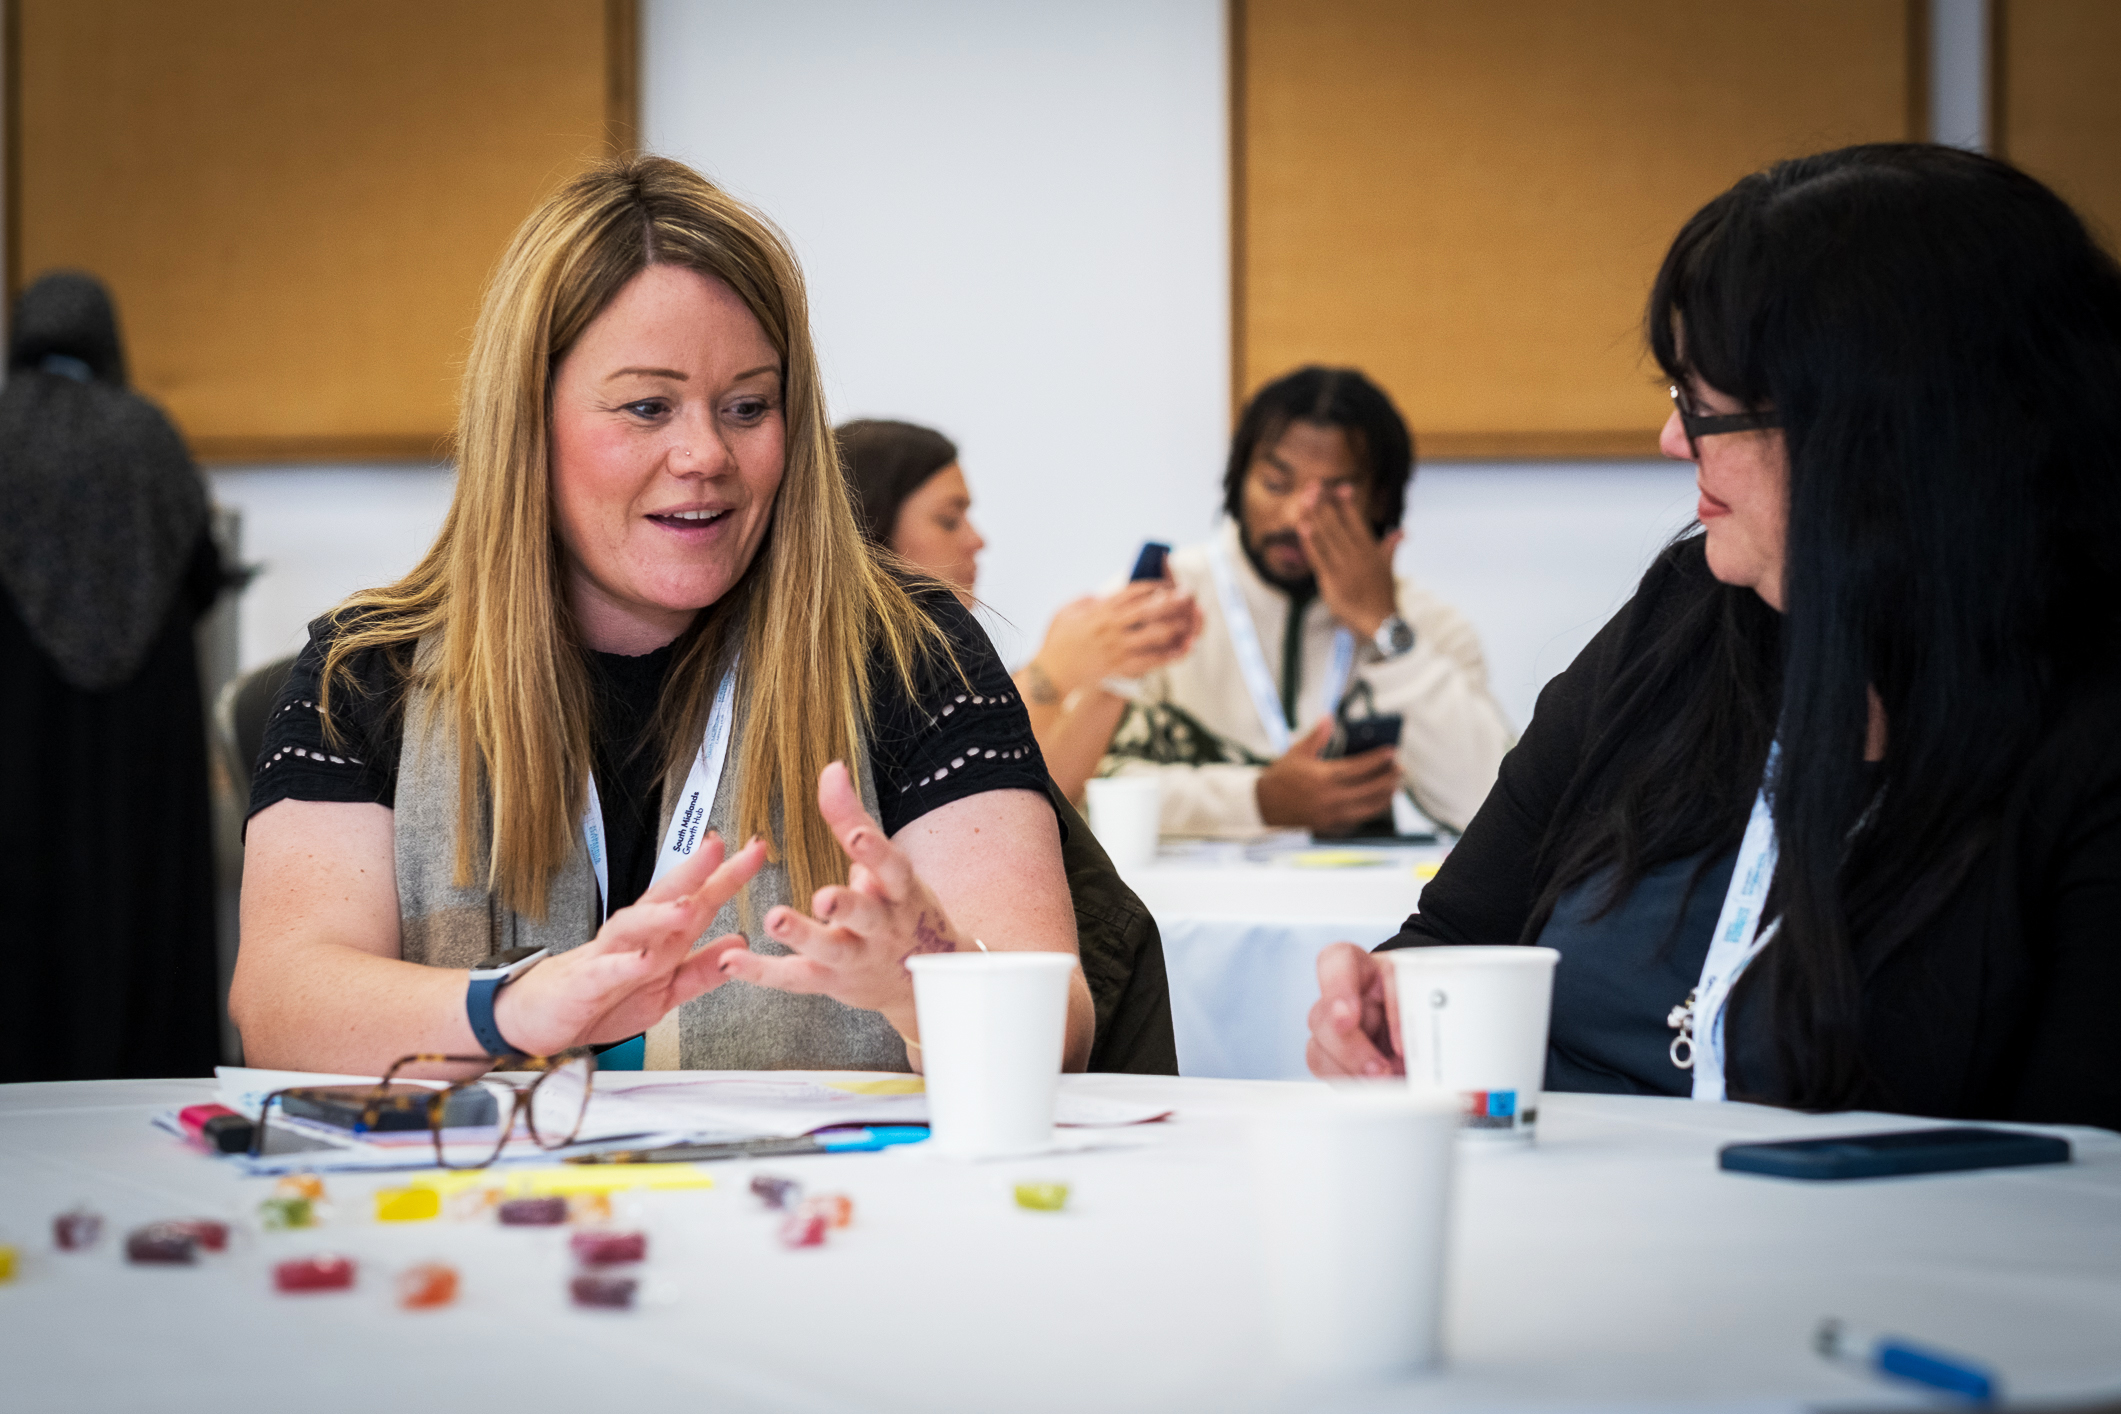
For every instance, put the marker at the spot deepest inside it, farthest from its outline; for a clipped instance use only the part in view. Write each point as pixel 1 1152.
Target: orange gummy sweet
pixel 427 1286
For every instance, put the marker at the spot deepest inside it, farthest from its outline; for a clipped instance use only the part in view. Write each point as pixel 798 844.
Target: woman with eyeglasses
pixel 649 625
pixel 1895 637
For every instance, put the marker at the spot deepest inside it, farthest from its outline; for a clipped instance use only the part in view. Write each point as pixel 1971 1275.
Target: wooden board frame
pixel 1496 442
pixel 620 24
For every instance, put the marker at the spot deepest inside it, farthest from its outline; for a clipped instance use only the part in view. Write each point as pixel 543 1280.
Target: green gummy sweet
pixel 1042 1197
pixel 286 1212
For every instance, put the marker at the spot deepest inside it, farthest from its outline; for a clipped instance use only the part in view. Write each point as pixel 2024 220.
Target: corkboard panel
pixel 1470 200
pixel 296 204
pixel 2056 108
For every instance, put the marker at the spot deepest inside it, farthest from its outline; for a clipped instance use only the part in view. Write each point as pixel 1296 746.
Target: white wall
pixel 1014 222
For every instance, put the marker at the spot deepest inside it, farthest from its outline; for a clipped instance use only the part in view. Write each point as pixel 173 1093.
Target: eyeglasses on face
pixel 551 1106
pixel 1699 424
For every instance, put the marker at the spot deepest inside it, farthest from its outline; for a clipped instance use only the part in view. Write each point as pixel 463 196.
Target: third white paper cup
pixel 1354 1192
pixel 1126 815
pixel 993 1025
pixel 1473 1021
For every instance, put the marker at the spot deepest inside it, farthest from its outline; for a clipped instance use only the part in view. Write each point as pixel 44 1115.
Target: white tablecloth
pixel 1242 929
pixel 1610 1265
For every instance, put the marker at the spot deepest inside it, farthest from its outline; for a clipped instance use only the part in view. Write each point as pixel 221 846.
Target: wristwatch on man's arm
pixel 1395 637
pixel 487 980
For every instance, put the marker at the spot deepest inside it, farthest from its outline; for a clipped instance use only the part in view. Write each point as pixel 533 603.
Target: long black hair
pixel 1330 397
pixel 1941 339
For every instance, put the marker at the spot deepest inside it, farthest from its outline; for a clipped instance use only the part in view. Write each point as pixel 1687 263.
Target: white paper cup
pixel 1126 815
pixel 993 1025
pixel 1474 1024
pixel 1354 1192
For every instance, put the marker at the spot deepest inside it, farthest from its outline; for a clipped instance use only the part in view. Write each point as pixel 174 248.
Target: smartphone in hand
pixel 1364 734
pixel 1149 564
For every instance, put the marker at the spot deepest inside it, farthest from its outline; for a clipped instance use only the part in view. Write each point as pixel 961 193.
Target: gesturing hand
pixel 1137 630
pixel 1354 569
pixel 1304 790
pixel 1355 1021
pixel 854 946
pixel 638 966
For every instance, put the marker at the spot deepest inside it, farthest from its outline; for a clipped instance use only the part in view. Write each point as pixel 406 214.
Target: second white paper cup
pixel 1354 1193
pixel 1126 815
pixel 1474 1024
pixel 993 1025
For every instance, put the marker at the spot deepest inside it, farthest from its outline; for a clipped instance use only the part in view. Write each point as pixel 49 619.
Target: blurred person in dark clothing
pixel 106 853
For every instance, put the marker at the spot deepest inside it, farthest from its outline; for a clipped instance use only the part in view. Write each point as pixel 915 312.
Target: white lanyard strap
pixel 1738 939
pixel 688 820
pixel 1252 661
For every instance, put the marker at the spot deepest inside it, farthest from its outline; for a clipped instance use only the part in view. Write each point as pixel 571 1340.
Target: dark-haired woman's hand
pixel 638 967
pixel 1355 1021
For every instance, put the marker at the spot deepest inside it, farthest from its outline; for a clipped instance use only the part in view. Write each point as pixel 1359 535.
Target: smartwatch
pixel 1394 637
pixel 487 980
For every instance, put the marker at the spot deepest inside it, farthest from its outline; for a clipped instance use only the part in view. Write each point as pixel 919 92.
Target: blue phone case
pixel 1149 564
pixel 1896 1152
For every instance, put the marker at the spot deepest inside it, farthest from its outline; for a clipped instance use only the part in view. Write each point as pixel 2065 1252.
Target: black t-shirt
pixel 950 740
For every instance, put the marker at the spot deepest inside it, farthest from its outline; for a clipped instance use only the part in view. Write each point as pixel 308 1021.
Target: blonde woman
pixel 649 624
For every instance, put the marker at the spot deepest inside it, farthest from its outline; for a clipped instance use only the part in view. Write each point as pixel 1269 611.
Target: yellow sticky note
pixel 896 1085
pixel 1426 872
pixel 560 1180
pixel 407 1205
pixel 1334 859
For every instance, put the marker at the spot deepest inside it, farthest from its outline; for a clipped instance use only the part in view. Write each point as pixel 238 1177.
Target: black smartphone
pixel 341 1107
pixel 1149 564
pixel 1896 1152
pixel 1365 734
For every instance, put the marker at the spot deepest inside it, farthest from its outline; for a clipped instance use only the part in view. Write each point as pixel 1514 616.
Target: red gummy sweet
pixel 612 1293
pixel 326 1272
pixel 774 1192
pixel 804 1229
pixel 157 1242
pixel 836 1208
pixel 534 1212
pixel 211 1235
pixel 77 1229
pixel 605 1249
pixel 427 1286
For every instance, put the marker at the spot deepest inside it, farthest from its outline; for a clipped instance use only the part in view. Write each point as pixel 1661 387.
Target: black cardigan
pixel 2005 1005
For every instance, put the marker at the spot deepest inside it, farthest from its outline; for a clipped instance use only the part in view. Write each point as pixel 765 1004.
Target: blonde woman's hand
pixel 853 948
pixel 1135 631
pixel 639 966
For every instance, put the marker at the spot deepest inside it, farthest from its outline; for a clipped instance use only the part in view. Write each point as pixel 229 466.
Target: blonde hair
pixel 504 660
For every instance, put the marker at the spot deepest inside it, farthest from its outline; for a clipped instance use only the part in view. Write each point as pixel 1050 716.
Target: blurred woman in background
pixel 1885 674
pixel 106 845
pixel 914 501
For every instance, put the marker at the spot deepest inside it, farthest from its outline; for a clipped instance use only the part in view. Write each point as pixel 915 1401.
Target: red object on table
pixel 75 1230
pixel 326 1272
pixel 427 1286
pixel 211 1235
pixel 159 1242
pixel 804 1229
pixel 611 1293
pixel 605 1249
pixel 533 1212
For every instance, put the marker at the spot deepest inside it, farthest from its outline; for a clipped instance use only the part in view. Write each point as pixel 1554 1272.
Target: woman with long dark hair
pixel 1898 627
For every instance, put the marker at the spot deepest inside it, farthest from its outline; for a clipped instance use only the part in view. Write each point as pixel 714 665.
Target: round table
pixel 1242 928
pixel 1611 1264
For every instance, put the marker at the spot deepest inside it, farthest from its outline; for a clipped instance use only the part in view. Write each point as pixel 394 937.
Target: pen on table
pixel 824 1141
pixel 1904 1360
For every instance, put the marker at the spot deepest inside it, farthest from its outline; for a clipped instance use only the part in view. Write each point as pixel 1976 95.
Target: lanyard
pixel 688 822
pixel 1252 662
pixel 1735 943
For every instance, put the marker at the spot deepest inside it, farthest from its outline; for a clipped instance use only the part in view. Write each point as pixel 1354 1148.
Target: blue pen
pixel 847 1140
pixel 1903 1360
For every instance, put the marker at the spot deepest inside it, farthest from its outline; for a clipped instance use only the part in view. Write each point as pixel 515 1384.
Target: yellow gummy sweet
pixel 7 1263
pixel 1042 1197
pixel 407 1205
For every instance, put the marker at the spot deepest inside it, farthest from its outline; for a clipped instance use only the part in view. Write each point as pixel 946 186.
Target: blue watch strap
pixel 478 1010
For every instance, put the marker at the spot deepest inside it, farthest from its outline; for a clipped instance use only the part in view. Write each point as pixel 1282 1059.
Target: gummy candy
pixel 1042 1197
pixel 604 1249
pixel 836 1208
pixel 7 1263
pixel 775 1192
pixel 75 1230
pixel 407 1205
pixel 211 1235
pixel 533 1212
pixel 301 1185
pixel 329 1272
pixel 472 1202
pixel 158 1242
pixel 283 1212
pixel 589 1207
pixel 615 1293
pixel 427 1286
pixel 804 1228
